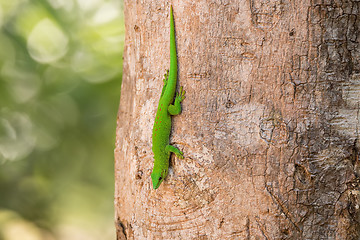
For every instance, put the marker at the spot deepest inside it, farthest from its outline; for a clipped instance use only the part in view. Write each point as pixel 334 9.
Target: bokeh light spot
pixel 1 16
pixel 90 69
pixel 20 84
pixel 106 13
pixel 47 42
pixel 64 4
pixel 16 136
pixel 87 5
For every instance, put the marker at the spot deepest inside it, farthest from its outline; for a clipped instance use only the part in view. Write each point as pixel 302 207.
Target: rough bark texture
pixel 270 123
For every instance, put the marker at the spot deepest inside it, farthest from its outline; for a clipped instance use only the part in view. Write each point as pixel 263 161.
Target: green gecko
pixel 162 125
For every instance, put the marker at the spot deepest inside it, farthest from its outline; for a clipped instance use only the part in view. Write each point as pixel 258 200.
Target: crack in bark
pixel 262 228
pixel 121 231
pixel 283 208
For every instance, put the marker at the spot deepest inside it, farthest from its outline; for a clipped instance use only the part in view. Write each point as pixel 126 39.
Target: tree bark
pixel 269 128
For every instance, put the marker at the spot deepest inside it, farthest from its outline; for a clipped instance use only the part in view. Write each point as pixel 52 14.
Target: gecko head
pixel 157 176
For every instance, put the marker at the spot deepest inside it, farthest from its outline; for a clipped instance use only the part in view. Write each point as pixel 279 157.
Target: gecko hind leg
pixel 175 109
pixel 166 77
pixel 178 153
pixel 165 80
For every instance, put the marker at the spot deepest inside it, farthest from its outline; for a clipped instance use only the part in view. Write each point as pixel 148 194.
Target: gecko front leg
pixel 178 153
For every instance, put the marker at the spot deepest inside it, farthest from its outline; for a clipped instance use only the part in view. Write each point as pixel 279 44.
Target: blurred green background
pixel 60 78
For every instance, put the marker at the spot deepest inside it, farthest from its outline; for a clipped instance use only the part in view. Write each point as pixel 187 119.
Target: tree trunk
pixel 269 128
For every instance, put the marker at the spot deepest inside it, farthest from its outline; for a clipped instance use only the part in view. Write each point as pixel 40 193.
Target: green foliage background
pixel 60 77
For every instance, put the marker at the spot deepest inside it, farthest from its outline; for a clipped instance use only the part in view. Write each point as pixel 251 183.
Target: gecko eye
pixel 160 178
